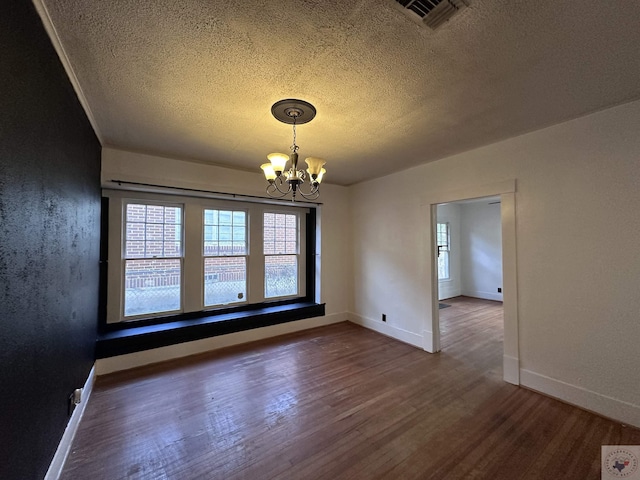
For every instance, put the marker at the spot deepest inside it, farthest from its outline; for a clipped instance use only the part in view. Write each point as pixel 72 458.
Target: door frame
pixel 431 333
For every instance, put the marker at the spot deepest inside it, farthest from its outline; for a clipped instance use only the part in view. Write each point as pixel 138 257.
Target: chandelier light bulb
pixel 278 161
pixel 269 172
pixel 315 165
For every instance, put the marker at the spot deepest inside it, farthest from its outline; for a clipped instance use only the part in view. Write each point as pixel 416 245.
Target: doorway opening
pixel 505 190
pixel 469 271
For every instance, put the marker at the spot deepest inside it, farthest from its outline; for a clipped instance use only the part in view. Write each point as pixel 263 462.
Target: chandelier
pixel 283 180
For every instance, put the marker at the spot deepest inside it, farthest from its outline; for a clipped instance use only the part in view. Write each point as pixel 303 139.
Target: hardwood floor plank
pixel 339 402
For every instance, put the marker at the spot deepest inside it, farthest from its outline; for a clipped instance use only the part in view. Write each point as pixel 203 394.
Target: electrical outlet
pixel 499 290
pixel 384 317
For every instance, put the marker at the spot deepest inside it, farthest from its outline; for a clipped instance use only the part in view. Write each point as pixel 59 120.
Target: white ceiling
pixel 195 79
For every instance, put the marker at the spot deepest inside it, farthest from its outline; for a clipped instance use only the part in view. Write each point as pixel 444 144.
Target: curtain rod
pixel 235 196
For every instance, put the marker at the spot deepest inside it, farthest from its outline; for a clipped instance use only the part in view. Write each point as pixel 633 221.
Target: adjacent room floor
pixel 340 402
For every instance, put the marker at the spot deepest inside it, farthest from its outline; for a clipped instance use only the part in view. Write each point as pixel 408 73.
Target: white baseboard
pixel 624 412
pixel 171 352
pixel 64 447
pixel 445 292
pixel 384 328
pixel 429 342
pixel 511 369
pixel 484 295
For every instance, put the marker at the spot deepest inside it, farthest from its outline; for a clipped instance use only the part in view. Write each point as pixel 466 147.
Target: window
pixel 181 255
pixel 225 257
pixel 280 254
pixel 443 243
pixel 152 259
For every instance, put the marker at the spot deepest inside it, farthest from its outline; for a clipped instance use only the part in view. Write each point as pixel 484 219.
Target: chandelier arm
pixel 272 188
pixel 311 195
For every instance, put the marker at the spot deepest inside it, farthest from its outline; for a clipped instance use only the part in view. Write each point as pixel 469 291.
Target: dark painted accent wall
pixel 49 244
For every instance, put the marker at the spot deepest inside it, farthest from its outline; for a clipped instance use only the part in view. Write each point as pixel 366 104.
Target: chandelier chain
pixel 294 147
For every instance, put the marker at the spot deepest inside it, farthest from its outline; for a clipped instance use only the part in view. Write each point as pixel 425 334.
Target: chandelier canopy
pixel 283 180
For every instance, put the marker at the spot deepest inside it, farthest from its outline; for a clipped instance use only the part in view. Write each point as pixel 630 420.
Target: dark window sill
pixel 129 339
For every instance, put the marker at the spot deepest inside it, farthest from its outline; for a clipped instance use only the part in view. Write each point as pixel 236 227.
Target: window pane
pixel 211 248
pixel 280 275
pixel 238 234
pixel 225 232
pixel 172 232
pixel 151 286
pixel 155 214
pixel 134 250
pixel 224 217
pixel 135 231
pixel 239 218
pixel 225 280
pixel 210 233
pixel 172 249
pixel 136 213
pixel 153 231
pixel 269 219
pixel 173 215
pixel 280 233
pixel 442 235
pixel 269 238
pixel 211 217
pixel 153 249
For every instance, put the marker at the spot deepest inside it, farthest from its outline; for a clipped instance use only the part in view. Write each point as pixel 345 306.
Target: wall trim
pixel 484 295
pixel 64 447
pixel 472 191
pixel 446 290
pixel 511 369
pixel 185 349
pixel 618 410
pixel 64 59
pixel 396 333
pixel 427 342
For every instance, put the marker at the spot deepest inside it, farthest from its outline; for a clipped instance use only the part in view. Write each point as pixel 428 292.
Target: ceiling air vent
pixel 431 13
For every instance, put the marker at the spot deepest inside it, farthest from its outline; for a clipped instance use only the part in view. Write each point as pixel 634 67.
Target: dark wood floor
pixel 340 402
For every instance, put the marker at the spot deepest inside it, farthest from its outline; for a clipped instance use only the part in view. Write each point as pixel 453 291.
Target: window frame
pixel 300 279
pixel 118 286
pixel 245 300
pixel 192 289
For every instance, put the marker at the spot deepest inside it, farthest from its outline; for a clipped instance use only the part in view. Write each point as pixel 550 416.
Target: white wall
pixel 334 264
pixel 450 213
pixel 481 250
pixel 577 230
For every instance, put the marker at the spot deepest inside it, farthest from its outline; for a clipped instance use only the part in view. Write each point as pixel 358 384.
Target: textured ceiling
pixel 195 79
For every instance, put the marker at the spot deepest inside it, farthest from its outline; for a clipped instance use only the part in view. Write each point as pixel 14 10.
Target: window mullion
pixel 255 259
pixel 193 259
